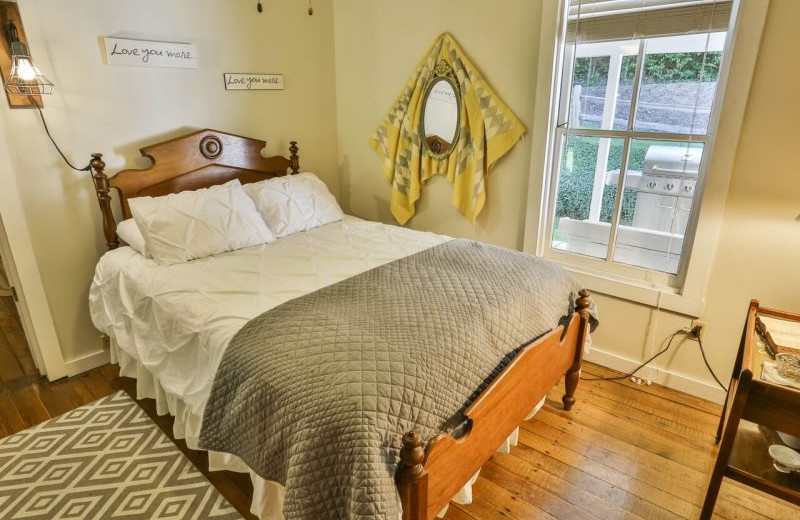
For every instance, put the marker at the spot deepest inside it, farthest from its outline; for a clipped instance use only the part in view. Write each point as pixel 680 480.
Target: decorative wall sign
pixel 144 53
pixel 253 81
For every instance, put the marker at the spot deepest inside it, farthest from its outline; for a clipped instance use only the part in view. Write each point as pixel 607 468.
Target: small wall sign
pixel 253 81
pixel 144 53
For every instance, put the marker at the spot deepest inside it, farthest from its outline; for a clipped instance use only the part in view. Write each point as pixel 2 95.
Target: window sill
pixel 666 298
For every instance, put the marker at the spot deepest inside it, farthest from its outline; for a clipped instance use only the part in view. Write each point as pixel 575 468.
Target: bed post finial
pixel 583 303
pixel 293 149
pixel 412 478
pixel 102 188
pixel 573 375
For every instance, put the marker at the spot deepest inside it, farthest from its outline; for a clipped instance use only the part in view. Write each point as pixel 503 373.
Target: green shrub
pixel 577 179
pixel 671 67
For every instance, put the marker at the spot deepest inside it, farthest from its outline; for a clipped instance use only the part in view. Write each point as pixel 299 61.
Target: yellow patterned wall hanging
pixel 487 130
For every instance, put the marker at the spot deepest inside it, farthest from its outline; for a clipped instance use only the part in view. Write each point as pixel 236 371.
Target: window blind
pixel 609 20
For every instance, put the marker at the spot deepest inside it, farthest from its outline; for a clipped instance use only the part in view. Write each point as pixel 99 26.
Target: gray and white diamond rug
pixel 105 460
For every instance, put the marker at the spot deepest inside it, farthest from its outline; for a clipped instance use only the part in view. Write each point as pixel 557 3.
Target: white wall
pixel 378 44
pixel 758 253
pixel 758 249
pixel 759 244
pixel 116 110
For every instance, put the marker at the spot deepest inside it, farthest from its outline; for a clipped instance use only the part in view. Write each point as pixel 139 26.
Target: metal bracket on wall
pixel 9 12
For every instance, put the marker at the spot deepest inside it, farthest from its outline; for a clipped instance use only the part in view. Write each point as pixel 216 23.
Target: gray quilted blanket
pixel 317 392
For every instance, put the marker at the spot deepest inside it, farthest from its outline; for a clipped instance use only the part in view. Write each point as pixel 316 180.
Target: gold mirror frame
pixel 442 71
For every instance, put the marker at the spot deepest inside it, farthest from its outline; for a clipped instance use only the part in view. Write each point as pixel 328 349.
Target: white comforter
pixel 169 325
pixel 177 320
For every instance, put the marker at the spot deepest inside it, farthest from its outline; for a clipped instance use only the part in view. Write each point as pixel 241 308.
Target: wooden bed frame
pixel 190 162
pixel 427 476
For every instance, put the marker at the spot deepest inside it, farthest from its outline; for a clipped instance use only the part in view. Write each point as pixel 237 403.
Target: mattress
pixel 169 325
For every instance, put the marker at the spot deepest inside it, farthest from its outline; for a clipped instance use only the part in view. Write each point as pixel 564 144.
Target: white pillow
pixel 128 231
pixel 195 224
pixel 294 203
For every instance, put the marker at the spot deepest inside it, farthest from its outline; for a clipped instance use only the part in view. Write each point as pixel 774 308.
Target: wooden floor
pixel 624 452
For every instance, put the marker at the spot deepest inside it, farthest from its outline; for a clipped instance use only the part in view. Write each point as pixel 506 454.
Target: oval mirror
pixel 440 116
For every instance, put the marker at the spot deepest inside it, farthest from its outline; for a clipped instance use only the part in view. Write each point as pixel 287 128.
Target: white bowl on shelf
pixel 784 458
pixel 790 440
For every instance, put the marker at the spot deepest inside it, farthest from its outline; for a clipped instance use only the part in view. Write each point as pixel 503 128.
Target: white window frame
pixel 686 293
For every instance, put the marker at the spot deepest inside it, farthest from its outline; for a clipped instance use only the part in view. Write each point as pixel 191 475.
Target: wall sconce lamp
pixel 25 78
pixel 23 81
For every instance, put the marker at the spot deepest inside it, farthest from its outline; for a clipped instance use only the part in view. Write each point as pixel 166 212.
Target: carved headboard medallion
pixel 211 146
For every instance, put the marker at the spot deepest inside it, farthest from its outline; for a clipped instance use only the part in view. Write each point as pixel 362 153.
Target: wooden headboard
pixel 193 161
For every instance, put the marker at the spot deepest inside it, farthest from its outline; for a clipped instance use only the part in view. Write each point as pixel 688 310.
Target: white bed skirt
pixel 268 496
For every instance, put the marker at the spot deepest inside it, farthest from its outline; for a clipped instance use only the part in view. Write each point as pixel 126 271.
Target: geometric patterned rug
pixel 105 460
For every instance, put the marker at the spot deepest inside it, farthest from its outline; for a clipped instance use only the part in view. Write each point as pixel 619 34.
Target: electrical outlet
pixel 702 325
pixel 105 341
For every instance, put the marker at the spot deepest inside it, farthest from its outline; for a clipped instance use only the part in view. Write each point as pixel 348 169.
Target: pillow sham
pixel 294 203
pixel 194 224
pixel 128 231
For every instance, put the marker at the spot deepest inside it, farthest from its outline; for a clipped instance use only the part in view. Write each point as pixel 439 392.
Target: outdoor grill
pixel 665 185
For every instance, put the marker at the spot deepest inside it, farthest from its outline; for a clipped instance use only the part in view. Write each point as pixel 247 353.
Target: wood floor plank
pixel 508 502
pixel 683 399
pixel 638 479
pixel 567 491
pixel 97 383
pixel 665 409
pixel 671 433
pixel 483 510
pixel 11 330
pixel 10 369
pixel 459 513
pixel 601 445
pixel 10 417
pixel 521 486
pixel 619 424
pixel 58 397
pixel 82 393
pixel 659 473
pixel 611 486
pixel 624 452
pixel 30 407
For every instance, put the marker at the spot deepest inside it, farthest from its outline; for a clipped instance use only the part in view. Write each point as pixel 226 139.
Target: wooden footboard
pixel 428 478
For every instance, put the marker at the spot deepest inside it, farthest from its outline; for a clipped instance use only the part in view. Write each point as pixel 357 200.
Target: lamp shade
pixel 26 79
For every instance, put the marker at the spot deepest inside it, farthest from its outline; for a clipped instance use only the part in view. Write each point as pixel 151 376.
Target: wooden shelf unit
pixel 754 409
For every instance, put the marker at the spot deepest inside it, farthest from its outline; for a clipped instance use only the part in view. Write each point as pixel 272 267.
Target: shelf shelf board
pixel 751 464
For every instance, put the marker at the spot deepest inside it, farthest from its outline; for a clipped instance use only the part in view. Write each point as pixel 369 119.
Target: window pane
pixel 678 84
pixel 585 168
pixel 602 82
pixel 610 188
pixel 662 179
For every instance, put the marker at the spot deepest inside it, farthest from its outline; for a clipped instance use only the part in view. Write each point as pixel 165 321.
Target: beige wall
pixel 758 250
pixel 377 46
pixel 115 110
pixel 758 254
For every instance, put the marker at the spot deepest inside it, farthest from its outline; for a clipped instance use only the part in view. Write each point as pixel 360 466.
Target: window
pixel 635 120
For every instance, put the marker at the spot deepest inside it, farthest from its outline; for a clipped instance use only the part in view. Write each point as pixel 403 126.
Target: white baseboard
pixel 89 361
pixel 669 379
pixel 596 355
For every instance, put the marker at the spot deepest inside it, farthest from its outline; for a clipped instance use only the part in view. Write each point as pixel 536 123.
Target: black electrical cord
pixel 631 374
pixel 86 168
pixel 708 366
pixel 662 351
